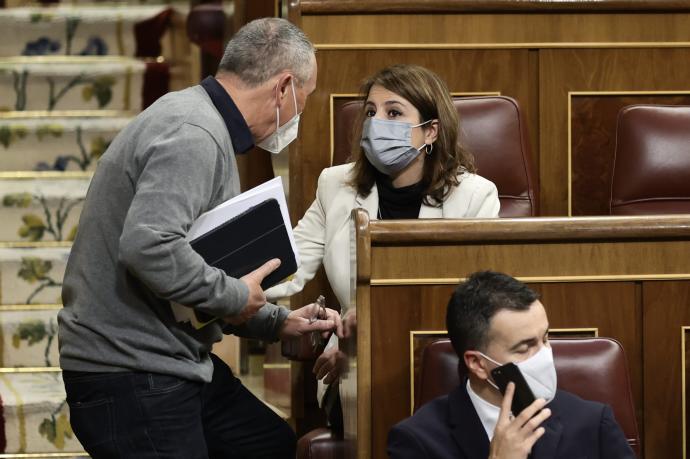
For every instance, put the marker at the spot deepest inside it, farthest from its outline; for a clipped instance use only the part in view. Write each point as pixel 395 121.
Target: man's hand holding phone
pixel 514 437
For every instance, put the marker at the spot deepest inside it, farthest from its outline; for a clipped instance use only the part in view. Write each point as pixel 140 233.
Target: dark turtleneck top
pixel 398 203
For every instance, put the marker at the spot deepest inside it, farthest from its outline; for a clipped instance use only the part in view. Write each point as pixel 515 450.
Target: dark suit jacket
pixel 449 427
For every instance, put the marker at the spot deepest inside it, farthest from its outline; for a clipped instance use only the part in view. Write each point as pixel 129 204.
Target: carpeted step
pixel 115 30
pixel 32 275
pixel 71 83
pixel 42 211
pixel 35 414
pixel 72 143
pixel 28 336
pixel 46 456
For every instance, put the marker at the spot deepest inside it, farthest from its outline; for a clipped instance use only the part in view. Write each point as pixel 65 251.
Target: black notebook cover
pixel 247 241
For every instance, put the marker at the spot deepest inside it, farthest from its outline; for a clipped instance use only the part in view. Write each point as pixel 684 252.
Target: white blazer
pixel 323 234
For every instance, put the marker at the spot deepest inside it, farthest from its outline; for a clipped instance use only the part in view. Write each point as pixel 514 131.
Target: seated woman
pixel 409 164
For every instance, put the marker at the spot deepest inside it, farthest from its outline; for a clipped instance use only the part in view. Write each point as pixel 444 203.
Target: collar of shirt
pixel 240 135
pixel 487 412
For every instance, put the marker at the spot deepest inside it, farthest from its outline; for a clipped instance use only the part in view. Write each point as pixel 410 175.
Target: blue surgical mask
pixel 388 144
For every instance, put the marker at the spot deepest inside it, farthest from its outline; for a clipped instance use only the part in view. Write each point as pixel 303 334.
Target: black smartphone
pixel 523 396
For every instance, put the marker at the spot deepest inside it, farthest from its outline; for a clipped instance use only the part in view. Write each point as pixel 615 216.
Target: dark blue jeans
pixel 146 415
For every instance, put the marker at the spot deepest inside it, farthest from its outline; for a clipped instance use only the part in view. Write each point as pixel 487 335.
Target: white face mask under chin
pixel 539 372
pixel 283 135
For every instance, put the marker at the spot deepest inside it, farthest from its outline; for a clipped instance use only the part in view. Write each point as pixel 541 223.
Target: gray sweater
pixel 130 258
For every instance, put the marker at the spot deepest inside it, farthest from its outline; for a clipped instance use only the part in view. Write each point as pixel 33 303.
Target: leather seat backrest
pixel 651 167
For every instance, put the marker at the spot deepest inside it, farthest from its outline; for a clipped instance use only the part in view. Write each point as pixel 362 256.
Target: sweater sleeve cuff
pixel 265 325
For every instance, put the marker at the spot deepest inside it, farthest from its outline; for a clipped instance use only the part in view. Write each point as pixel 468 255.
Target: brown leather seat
pixel 494 131
pixel 593 368
pixel 320 444
pixel 651 168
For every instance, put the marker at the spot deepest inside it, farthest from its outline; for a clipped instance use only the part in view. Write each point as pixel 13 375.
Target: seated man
pixel 493 319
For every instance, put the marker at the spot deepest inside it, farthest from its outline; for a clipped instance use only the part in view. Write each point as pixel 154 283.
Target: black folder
pixel 246 242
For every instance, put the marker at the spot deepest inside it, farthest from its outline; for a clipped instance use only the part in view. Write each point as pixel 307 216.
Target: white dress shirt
pixel 487 412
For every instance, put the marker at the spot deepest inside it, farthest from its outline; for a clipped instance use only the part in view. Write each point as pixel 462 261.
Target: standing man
pixel 139 384
pixel 494 319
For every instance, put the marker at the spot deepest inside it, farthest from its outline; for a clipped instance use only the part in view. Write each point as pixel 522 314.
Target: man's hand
pixel 514 437
pixel 330 364
pixel 298 322
pixel 257 298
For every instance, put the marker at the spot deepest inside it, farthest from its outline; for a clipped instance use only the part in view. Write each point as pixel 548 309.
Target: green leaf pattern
pixel 35 270
pixel 17 200
pixel 34 227
pixel 98 147
pixel 31 331
pixel 101 88
pixel 45 130
pixel 34 331
pixel 9 134
pixel 56 429
pixel 83 159
pixel 41 17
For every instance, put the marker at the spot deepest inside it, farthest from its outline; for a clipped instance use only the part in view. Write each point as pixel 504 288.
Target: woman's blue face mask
pixel 388 144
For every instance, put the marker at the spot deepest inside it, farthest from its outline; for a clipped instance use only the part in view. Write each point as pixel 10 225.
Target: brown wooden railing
pixel 487 6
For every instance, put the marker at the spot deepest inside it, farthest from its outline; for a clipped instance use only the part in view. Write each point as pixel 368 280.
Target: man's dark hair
pixel 476 301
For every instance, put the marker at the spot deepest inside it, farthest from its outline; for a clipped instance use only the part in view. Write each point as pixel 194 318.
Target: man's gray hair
pixel 265 47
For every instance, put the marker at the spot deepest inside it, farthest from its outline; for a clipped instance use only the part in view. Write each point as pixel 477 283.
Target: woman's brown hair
pixel 430 96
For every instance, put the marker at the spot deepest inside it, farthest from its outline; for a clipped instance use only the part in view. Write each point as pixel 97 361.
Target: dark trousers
pixel 146 415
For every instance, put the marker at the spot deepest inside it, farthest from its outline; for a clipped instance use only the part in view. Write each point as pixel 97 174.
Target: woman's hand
pixel 330 364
